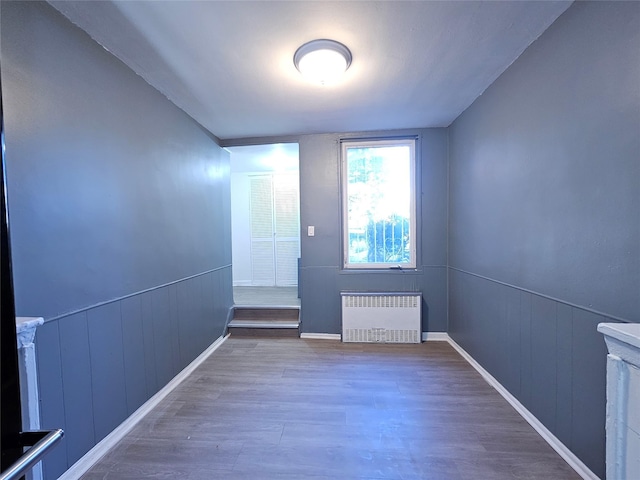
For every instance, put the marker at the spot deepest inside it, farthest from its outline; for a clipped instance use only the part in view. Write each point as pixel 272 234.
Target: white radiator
pixel 381 317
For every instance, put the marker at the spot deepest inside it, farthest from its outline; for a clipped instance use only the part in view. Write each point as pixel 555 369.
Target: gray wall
pixel 545 218
pixel 120 223
pixel 322 277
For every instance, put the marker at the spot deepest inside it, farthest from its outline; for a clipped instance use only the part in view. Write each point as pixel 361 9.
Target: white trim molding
pixel 435 337
pixel 28 375
pixel 107 443
pixel 623 399
pixel 560 448
pixel 321 336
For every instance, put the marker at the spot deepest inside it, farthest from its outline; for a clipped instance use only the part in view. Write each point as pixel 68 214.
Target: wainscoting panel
pixel 186 310
pixel 76 383
pixel 320 300
pixel 108 385
pixel 588 398
pixel 547 353
pixel 133 355
pixel 544 361
pixel 97 366
pixel 513 370
pixel 148 344
pixel 564 372
pixel 524 319
pixel 174 327
pixel 161 336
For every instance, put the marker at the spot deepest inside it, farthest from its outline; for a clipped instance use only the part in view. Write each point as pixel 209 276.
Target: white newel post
pixel 623 400
pixel 29 396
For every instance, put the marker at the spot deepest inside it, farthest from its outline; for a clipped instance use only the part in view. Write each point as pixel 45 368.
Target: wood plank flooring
pixel 321 409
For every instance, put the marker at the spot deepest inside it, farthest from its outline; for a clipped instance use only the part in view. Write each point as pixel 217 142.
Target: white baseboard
pixel 107 443
pixel 568 456
pixel 435 337
pixel 321 336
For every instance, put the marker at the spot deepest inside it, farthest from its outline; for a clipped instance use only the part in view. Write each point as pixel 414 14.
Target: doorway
pixel 265 218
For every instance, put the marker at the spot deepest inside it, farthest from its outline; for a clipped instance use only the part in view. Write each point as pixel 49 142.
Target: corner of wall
pixel 448 207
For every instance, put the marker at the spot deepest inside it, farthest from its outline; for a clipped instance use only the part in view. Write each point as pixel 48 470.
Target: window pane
pixel 378 190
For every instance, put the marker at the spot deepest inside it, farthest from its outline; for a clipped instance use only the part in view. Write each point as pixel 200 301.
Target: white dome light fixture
pixel 322 61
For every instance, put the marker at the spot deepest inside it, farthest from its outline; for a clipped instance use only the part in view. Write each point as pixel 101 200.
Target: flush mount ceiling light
pixel 322 61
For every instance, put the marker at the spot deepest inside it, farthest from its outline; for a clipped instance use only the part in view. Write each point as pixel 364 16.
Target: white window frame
pixel 413 234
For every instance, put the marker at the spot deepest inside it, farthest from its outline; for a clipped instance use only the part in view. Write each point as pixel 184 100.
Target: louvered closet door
pixel 262 235
pixel 287 228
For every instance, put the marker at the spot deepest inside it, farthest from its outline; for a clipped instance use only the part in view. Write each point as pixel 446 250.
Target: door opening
pixel 265 218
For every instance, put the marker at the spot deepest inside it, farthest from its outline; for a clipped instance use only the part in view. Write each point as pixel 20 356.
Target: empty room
pixel 320 239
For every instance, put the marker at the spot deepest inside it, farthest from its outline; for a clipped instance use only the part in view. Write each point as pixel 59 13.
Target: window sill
pixel 377 271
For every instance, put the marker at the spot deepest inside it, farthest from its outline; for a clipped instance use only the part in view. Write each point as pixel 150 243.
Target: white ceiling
pixel 229 64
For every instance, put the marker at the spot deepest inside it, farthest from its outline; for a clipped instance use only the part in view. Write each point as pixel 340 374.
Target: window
pixel 379 223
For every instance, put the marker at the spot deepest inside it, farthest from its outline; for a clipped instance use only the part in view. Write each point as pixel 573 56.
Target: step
pixel 261 321
pixel 264 332
pixel 250 323
pixel 266 313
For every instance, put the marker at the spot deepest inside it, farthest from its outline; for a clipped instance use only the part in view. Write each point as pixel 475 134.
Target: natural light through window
pixel 379 203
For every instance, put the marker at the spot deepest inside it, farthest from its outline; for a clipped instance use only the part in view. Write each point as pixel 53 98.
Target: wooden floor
pixel 320 409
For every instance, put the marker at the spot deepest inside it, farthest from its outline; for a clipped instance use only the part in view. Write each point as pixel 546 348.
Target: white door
pixel 275 229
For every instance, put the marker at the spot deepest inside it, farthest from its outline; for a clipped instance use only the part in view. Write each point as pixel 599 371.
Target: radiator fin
pixel 380 335
pixel 381 301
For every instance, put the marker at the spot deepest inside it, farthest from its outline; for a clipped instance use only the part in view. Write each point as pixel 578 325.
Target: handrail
pixel 32 456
